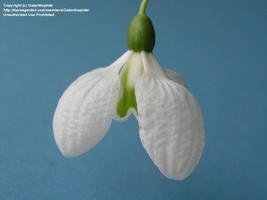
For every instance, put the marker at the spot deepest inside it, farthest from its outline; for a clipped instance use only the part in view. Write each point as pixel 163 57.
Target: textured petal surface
pixel 84 112
pixel 172 75
pixel 170 122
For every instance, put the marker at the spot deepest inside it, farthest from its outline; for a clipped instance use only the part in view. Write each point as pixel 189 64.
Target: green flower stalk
pixel 170 121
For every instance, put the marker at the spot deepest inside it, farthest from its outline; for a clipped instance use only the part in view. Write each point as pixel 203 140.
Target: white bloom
pixel 170 121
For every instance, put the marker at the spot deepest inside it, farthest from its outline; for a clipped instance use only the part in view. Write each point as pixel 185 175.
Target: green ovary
pixel 127 99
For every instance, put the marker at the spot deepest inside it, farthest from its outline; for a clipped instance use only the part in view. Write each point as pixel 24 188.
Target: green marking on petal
pixel 129 73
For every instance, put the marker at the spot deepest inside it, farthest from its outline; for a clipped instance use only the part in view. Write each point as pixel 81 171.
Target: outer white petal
pixel 84 112
pixel 172 75
pixel 170 121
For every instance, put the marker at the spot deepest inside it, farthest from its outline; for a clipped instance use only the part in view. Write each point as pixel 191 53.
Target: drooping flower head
pixel 169 118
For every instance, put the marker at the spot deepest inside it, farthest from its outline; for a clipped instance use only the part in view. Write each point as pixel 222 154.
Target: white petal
pixel 171 127
pixel 116 66
pixel 172 75
pixel 84 112
pixel 151 65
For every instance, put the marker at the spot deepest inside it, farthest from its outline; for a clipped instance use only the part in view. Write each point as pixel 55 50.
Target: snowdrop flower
pixel 170 121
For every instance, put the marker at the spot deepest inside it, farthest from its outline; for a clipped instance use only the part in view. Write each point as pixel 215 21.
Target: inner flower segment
pixel 132 69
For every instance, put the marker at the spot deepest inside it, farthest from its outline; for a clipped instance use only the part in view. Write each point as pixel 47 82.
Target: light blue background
pixel 219 46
